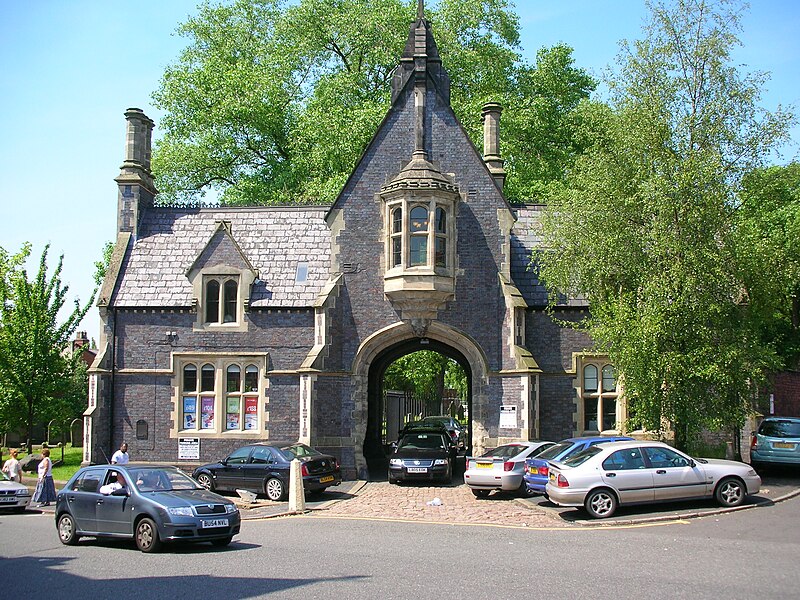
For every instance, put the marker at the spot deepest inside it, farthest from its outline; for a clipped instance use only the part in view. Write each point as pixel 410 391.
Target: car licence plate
pixel 417 469
pixel 326 479
pixel 8 498
pixel 484 465
pixel 205 524
pixel 788 445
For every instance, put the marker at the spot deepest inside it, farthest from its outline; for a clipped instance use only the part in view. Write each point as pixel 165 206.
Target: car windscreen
pixel 582 456
pixel 423 441
pixel 507 451
pixel 162 480
pixel 298 451
pixel 553 451
pixel 780 429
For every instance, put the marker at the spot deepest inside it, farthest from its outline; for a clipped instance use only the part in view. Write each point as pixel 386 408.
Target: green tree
pixel 426 374
pixel 101 266
pixel 273 103
pixel 768 238
pixel 644 228
pixel 36 368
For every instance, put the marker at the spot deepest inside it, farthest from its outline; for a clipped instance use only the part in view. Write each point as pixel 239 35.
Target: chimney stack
pixel 136 187
pixel 491 141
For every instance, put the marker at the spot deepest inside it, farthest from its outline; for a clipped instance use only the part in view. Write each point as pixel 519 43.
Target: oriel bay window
pixel 599 397
pixel 416 242
pixel 223 397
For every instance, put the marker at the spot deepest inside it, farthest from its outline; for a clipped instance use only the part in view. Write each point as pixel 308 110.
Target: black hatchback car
pixel 264 469
pixel 423 453
pixel 149 503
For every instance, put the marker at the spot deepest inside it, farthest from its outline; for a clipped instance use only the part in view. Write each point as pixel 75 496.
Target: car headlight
pixel 23 492
pixel 440 461
pixel 396 462
pixel 180 511
pixel 230 508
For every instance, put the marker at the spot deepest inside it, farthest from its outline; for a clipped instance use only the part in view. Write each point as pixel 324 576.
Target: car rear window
pixel 554 451
pixel 582 456
pixel 780 429
pixel 507 451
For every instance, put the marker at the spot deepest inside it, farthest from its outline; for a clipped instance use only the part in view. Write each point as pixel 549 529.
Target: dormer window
pixel 221 299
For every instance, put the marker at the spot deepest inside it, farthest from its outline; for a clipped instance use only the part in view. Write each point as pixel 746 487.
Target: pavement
pixel 456 505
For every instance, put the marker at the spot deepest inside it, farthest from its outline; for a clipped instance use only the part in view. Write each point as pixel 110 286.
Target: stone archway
pixel 388 344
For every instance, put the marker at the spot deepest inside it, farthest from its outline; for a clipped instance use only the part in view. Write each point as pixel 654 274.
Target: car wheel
pixel 481 493
pixel 222 542
pixel 205 480
pixel 524 491
pixel 601 504
pixel 147 539
pixel 66 530
pixel 274 489
pixel 730 492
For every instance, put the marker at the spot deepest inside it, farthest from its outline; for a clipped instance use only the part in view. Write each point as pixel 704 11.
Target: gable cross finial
pixel 420 9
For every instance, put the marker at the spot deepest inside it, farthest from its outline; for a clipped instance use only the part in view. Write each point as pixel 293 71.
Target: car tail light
pixel 508 466
pixel 562 481
pixel 754 442
pixel 304 469
pixel 545 470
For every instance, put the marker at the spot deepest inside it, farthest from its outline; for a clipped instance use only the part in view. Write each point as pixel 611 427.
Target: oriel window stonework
pixel 220 395
pixel 599 395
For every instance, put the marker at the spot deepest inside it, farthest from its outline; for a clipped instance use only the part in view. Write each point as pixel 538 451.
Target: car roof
pixel 777 418
pixel 596 438
pixel 633 444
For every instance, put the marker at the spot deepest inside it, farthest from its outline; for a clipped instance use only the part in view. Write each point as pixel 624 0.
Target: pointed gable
pixel 221 251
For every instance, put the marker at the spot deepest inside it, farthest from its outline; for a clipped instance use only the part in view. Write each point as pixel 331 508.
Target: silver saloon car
pixel 605 476
pixel 502 468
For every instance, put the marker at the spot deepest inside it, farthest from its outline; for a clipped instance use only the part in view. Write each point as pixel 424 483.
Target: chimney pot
pixel 491 141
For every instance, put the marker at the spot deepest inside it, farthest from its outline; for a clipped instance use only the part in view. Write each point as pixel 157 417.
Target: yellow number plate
pixel 484 465
pixel 326 479
pixel 782 445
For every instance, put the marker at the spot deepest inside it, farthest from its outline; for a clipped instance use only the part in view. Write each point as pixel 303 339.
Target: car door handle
pixel 611 474
pixel 661 472
pixel 100 501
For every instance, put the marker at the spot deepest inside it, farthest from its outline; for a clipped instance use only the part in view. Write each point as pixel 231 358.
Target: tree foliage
pixel 273 103
pixel 644 229
pixel 37 371
pixel 427 374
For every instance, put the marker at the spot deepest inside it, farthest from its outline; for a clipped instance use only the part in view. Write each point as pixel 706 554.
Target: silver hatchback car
pixel 605 476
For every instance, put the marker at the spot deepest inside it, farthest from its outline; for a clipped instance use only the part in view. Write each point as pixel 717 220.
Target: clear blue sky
pixel 70 68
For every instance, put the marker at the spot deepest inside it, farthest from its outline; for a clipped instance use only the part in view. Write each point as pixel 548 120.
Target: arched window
pixel 212 301
pixel 251 378
pixel 207 378
pixel 418 230
pixel 189 378
pixel 599 401
pixel 440 244
pixel 590 378
pixel 397 237
pixel 230 295
pixel 233 378
pixel 609 381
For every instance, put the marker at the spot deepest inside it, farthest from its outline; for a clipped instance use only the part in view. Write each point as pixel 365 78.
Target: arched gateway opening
pixel 374 357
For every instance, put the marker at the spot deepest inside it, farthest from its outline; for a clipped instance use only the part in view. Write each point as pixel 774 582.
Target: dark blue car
pixel 537 469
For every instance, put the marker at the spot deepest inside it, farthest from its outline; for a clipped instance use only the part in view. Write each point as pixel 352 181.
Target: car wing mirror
pixel 692 464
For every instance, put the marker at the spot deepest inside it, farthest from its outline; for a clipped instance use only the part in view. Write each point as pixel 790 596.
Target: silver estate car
pixel 604 476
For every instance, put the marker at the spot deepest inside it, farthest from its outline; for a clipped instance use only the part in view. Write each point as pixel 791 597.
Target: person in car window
pixel 107 489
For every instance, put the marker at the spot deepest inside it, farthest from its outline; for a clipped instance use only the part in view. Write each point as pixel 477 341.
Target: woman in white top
pixel 45 492
pixel 13 468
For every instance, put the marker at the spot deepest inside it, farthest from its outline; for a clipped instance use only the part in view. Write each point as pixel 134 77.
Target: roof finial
pixel 420 9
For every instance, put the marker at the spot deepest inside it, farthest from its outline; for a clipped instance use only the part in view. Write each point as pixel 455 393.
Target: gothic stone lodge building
pixel 229 325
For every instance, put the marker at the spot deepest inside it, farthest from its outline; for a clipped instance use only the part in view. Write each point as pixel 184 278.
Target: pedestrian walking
pixel 120 457
pixel 12 467
pixel 45 492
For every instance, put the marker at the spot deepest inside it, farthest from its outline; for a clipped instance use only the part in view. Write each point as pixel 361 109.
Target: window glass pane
pixel 623 460
pixel 590 378
pixel 189 378
pixel 261 456
pixel 397 220
pixel 441 221
pixel 251 378
pixel 590 414
pixel 231 291
pixel 302 272
pixel 661 458
pixel 238 457
pixel 212 301
pixel 207 412
pixel 233 377
pixel 419 219
pixel 609 382
pixel 232 414
pixel 190 412
pixel 419 250
pixel 609 413
pixel 207 378
pixel 396 251
pixel 441 252
pixel 251 412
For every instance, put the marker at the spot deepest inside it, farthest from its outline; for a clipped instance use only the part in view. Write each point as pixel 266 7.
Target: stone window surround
pixel 580 362
pixel 245 279
pixel 220 361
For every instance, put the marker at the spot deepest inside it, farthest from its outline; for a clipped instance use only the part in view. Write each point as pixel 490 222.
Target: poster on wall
pixel 188 448
pixel 508 417
pixel 232 414
pixel 190 412
pixel 207 412
pixel 251 413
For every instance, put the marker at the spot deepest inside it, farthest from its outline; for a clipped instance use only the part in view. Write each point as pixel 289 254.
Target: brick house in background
pixel 229 325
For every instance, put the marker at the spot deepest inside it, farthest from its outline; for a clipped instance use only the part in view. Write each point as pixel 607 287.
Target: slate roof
pixel 274 240
pixel 524 239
